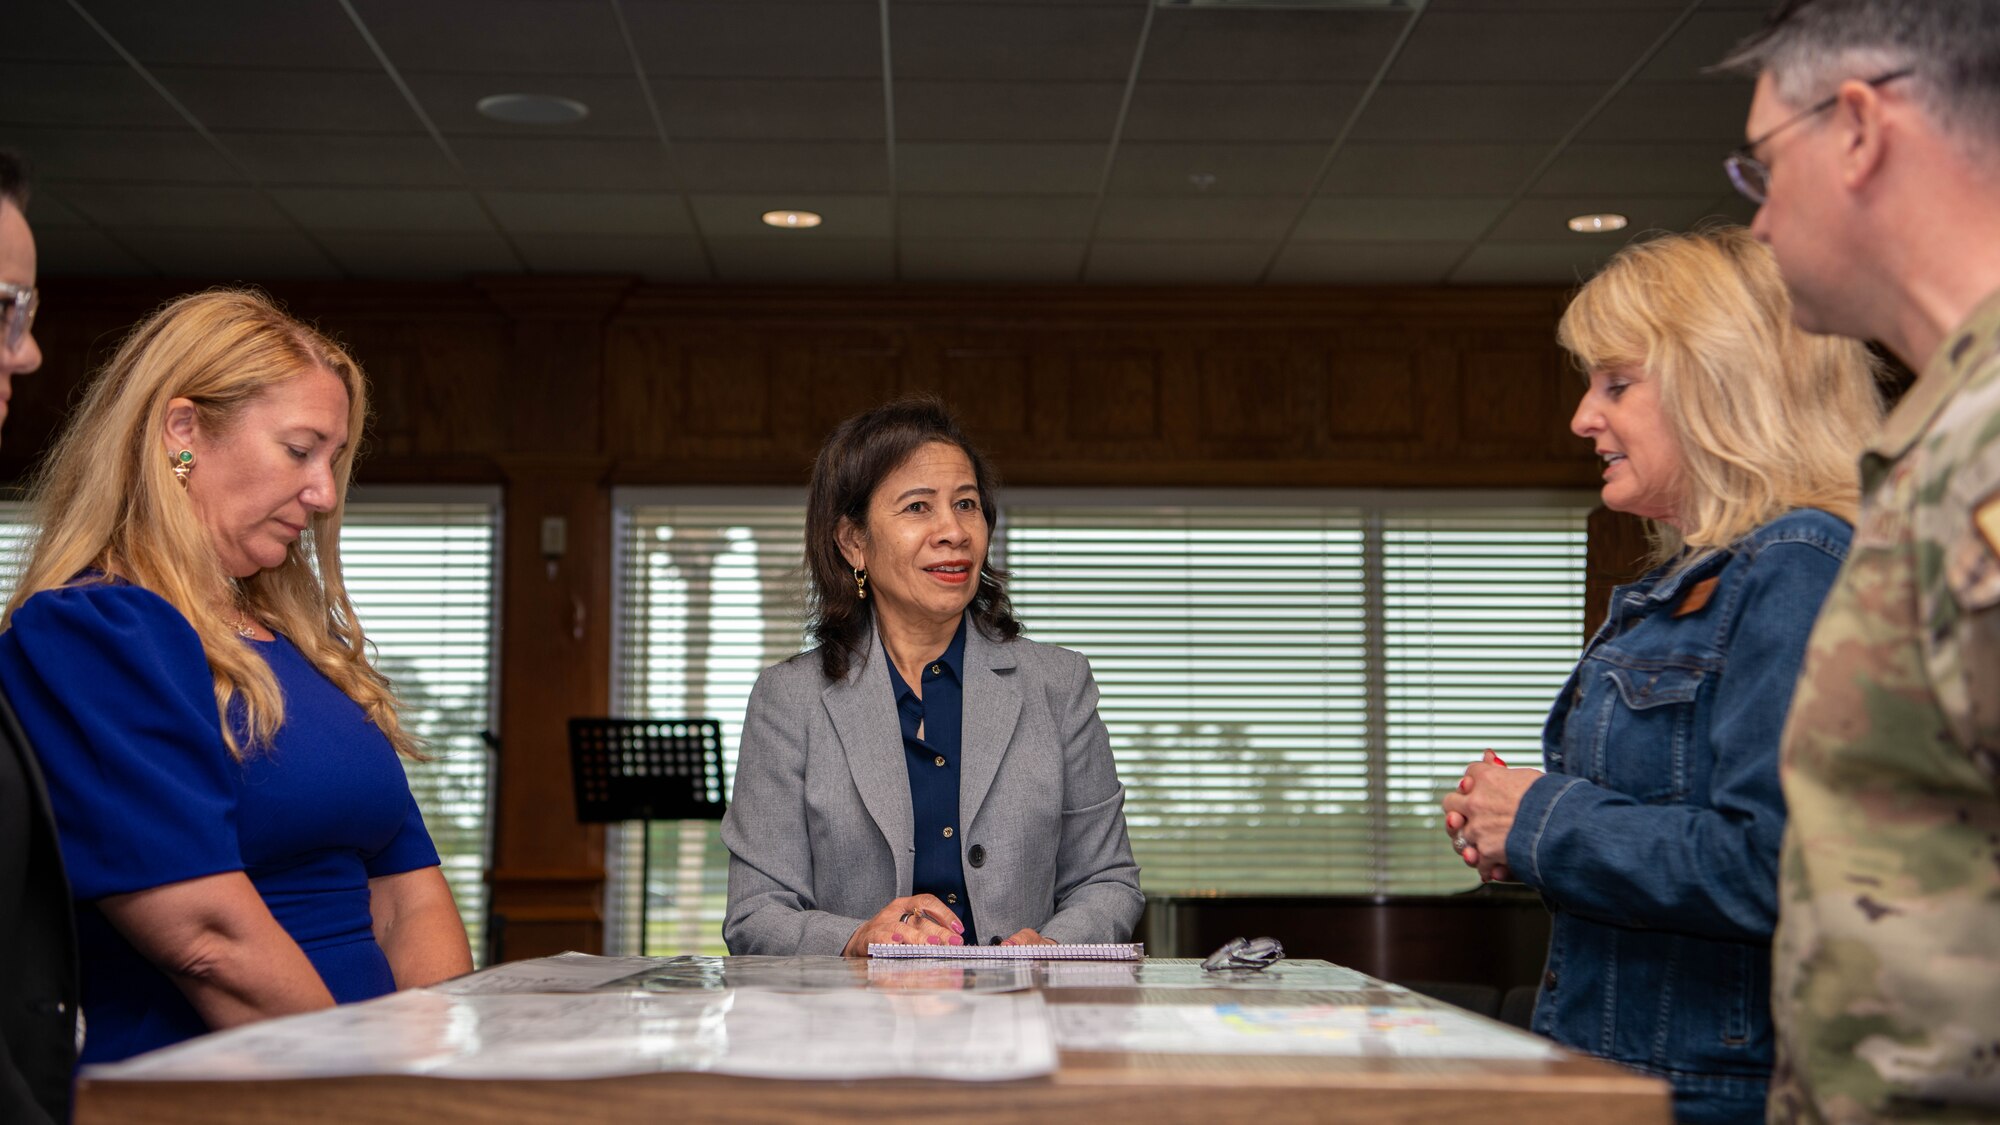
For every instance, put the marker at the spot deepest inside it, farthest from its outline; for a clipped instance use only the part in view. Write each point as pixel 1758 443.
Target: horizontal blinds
pixel 422 579
pixel 708 598
pixel 1288 690
pixel 421 576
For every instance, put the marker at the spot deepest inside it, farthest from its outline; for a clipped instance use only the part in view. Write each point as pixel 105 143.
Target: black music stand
pixel 647 770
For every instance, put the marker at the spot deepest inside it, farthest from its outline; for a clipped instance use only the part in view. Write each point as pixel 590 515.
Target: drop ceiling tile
pixel 1177 263
pixel 579 212
pixel 764 259
pixel 1397 219
pixel 1000 169
pixel 403 255
pixel 1366 263
pixel 1635 169
pixel 331 159
pixel 235 32
pixel 1017 261
pixel 762 109
pixel 82 252
pixel 1243 218
pixel 83 94
pixel 741 216
pixel 760 166
pixel 1006 111
pixel 329 101
pixel 524 37
pixel 810 39
pixel 1155 168
pixel 1240 111
pixel 1483 112
pixel 992 217
pixel 383 209
pixel 1732 207
pixel 1512 46
pixel 1675 111
pixel 51 31
pixel 245 257
pixel 135 156
pixel 1702 42
pixel 579 164
pixel 47 209
pixel 617 104
pixel 207 206
pixel 1247 45
pixel 1532 263
pixel 1544 219
pixel 1431 169
pixel 653 257
pixel 1005 42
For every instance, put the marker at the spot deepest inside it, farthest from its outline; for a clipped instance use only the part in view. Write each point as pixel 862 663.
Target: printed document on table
pixel 828 1035
pixel 1331 1029
pixel 564 972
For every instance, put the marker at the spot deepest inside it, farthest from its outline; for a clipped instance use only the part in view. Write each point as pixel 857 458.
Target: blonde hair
pixel 1768 417
pixel 106 499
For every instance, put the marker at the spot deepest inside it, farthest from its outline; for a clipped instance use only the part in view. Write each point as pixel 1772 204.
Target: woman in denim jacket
pixel 1653 837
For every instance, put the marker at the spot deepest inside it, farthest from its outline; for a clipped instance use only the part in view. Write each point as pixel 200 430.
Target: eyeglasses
pixel 1752 176
pixel 19 303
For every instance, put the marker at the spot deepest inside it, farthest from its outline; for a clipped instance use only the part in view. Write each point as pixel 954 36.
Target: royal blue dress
pixel 114 692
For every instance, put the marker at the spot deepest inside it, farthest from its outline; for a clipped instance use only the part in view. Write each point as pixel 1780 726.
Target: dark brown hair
pixel 14 178
pixel 858 454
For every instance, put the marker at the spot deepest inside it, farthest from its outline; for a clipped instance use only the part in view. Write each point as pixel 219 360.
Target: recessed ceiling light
pixel 1603 223
pixel 533 109
pixel 792 220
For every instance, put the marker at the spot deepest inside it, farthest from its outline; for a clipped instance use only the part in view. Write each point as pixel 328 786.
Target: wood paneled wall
pixel 559 389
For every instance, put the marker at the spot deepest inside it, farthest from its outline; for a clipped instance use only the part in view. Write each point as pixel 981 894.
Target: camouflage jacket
pixel 1886 981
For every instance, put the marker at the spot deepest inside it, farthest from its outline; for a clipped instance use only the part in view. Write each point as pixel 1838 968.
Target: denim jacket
pixel 1654 836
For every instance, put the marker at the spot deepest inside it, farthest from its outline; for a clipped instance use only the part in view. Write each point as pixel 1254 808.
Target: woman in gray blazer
pixel 924 775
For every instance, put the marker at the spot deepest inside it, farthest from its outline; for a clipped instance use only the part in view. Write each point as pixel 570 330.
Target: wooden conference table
pixel 1107 1086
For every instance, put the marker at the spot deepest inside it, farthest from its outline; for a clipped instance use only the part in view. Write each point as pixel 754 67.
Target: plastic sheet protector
pixel 1329 1029
pixel 826 1036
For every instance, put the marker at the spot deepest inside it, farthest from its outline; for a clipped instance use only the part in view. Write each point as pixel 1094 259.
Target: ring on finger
pixel 906 916
pixel 1459 841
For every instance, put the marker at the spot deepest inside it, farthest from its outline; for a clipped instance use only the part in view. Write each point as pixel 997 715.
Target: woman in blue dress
pixel 221 756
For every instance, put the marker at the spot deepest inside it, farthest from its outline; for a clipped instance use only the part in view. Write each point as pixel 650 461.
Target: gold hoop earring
pixel 860 583
pixel 183 465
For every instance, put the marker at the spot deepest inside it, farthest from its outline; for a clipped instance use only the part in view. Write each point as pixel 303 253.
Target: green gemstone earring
pixel 183 464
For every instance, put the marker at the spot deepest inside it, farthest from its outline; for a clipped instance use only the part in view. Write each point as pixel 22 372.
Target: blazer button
pixel 938 761
pixel 947 832
pixel 937 669
pixel 952 899
pixel 976 855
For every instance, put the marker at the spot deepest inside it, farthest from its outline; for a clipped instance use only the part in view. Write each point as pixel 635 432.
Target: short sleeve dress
pixel 113 691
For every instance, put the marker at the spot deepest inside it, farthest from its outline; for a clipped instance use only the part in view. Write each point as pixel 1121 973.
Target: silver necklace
pixel 241 623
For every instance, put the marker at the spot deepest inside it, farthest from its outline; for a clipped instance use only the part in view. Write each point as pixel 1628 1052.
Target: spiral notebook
pixel 1110 951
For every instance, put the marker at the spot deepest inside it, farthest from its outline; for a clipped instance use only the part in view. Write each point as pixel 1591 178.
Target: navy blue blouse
pixel 114 691
pixel 933 762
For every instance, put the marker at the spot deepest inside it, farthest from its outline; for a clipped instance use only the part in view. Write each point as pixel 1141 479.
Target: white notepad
pixel 1109 951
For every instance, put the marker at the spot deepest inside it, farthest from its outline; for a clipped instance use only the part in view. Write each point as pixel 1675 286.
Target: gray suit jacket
pixel 819 825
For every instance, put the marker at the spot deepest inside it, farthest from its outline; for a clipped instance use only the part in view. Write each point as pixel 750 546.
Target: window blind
pixel 708 597
pixel 1288 688
pixel 422 578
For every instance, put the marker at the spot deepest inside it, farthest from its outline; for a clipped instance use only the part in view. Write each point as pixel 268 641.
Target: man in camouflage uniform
pixel 1876 157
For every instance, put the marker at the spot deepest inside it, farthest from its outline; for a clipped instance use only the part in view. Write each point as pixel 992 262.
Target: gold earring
pixel 183 464
pixel 860 583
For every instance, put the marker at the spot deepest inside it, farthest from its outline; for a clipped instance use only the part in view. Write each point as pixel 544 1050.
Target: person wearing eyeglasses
pixel 38 987
pixel 1874 159
pixel 926 775
pixel 1653 833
